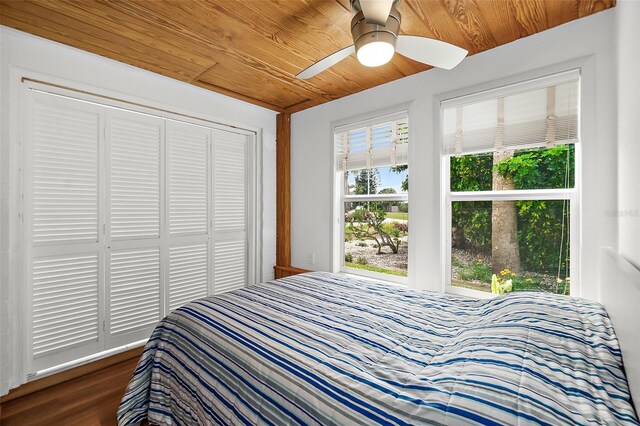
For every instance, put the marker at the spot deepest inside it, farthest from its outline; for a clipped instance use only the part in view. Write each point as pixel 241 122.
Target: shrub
pixel 348 257
pixel 369 224
pixel 501 286
pixel 401 227
pixel 477 271
pixel 387 227
pixel 362 260
pixel 362 244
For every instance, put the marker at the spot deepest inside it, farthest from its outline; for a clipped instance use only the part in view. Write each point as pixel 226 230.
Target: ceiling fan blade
pixel 376 11
pixel 325 63
pixel 430 51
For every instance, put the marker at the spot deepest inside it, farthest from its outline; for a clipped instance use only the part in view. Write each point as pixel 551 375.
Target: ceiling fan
pixel 375 28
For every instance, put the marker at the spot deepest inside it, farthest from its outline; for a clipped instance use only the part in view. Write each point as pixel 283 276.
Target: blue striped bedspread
pixel 326 349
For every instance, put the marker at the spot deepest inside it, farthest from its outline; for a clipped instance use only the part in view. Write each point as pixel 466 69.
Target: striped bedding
pixel 323 349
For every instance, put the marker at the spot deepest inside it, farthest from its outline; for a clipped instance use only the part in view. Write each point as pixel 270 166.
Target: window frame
pixel 448 197
pixel 338 197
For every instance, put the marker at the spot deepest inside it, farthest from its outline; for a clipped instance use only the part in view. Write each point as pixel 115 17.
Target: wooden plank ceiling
pixel 251 49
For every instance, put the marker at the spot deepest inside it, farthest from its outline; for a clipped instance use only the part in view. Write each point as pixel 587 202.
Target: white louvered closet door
pixel 63 227
pixel 230 184
pixel 134 202
pixel 189 206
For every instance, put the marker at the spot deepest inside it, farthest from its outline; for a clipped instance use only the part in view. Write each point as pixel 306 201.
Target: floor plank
pixel 88 400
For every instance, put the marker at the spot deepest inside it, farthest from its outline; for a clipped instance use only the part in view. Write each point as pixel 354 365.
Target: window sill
pixel 373 276
pixel 467 292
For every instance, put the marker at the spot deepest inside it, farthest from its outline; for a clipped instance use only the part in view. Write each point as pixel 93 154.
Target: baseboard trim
pixel 72 373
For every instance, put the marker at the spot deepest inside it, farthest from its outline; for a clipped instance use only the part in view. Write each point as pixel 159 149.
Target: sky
pixel 388 179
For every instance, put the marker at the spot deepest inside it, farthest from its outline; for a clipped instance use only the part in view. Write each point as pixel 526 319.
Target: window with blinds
pixel 375 145
pixel 128 215
pixel 521 117
pixel 510 166
pixel 372 167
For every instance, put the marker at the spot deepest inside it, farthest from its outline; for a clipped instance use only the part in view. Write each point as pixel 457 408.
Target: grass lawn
pixel 471 285
pixel 376 269
pixel 398 215
pixel 474 274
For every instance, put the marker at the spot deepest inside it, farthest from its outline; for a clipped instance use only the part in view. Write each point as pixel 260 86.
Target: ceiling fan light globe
pixel 375 53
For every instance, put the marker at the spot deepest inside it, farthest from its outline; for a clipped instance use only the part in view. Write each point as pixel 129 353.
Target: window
pixel 511 167
pixel 128 216
pixel 372 186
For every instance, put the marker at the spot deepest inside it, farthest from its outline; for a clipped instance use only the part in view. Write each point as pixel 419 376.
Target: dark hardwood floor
pixel 88 400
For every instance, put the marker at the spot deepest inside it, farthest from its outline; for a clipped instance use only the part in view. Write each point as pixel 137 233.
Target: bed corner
pixel 620 295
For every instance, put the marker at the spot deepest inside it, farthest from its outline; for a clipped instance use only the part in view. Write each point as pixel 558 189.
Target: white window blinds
pixel 129 216
pixel 538 113
pixel 374 144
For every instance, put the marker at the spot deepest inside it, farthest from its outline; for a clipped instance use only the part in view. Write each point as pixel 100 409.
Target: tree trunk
pixel 505 253
pixel 458 237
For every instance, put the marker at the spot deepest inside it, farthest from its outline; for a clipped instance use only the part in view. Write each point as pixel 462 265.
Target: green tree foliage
pixel 367 181
pixel 387 205
pixel 540 229
pixel 387 191
pixel 541 224
pixel 541 168
pixel 369 223
pixel 401 169
pixel 472 173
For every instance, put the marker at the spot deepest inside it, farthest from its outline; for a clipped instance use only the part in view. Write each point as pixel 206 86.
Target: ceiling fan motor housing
pixel 364 32
pixel 375 29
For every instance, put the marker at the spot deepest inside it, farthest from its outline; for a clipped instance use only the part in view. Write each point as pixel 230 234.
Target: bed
pixel 324 349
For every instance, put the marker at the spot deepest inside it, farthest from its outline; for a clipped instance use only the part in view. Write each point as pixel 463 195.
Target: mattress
pixel 328 349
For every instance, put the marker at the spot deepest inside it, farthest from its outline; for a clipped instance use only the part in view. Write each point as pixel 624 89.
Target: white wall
pixel 311 166
pixel 621 281
pixel 628 63
pixel 23 53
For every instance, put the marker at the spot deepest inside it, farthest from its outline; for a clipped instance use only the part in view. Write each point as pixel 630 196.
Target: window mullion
pixel 524 194
pixel 375 197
